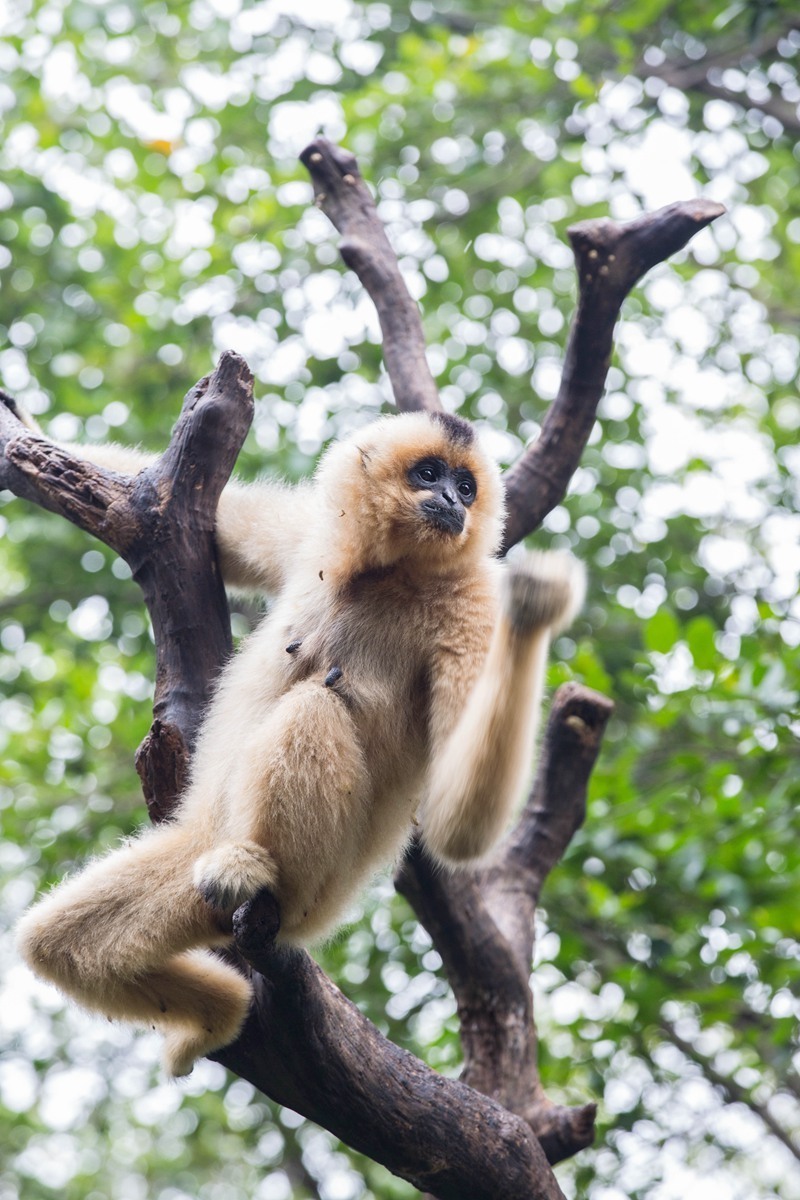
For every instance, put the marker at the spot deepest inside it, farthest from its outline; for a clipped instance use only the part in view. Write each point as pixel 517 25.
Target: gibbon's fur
pixel 397 678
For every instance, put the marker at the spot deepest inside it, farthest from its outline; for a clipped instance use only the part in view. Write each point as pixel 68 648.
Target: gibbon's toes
pixel 233 873
pixel 180 1052
pixel 544 589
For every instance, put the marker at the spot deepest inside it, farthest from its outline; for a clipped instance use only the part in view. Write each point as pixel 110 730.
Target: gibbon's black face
pixel 452 490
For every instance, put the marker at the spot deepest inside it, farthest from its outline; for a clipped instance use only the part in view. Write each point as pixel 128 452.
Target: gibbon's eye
pixel 426 472
pixel 467 487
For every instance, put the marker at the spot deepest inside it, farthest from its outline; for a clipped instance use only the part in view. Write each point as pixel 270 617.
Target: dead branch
pixel 309 1048
pixel 346 200
pixel 304 1044
pixel 162 523
pixel 610 259
pixel 482 923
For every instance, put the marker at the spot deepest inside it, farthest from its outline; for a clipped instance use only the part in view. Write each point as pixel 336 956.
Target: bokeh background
pixel 152 214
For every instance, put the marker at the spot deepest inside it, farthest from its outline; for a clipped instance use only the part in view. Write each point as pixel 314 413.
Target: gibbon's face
pixel 421 487
pixel 449 492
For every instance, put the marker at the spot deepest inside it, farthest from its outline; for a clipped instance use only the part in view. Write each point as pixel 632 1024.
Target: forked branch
pixel 610 259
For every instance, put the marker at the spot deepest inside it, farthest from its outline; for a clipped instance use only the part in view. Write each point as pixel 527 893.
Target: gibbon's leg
pixel 298 801
pixel 480 766
pixel 115 938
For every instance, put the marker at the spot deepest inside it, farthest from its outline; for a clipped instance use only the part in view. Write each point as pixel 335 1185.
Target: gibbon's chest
pixel 379 634
pixel 373 630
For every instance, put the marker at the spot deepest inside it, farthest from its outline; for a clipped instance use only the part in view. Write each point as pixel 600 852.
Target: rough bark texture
pixel 304 1044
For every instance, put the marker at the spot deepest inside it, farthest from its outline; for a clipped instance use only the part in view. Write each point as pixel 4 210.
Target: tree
pixel 303 1045
pixel 661 900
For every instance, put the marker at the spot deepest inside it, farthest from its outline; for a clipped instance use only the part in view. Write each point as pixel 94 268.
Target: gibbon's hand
pixel 544 589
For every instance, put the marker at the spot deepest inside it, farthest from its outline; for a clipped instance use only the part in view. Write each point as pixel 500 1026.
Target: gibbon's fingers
pixel 234 872
pixel 544 589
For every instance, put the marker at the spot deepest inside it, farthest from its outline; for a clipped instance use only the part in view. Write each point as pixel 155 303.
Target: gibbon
pixel 395 681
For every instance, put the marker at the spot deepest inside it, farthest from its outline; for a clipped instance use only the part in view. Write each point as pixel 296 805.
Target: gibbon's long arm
pixel 480 765
pixel 258 526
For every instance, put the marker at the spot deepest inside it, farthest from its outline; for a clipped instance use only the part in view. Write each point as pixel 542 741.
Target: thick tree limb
pixel 344 197
pixel 304 1044
pixel 308 1047
pixel 482 924
pixel 162 523
pixel 610 259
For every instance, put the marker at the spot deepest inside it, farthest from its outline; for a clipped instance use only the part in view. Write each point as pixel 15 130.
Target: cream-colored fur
pixel 411 685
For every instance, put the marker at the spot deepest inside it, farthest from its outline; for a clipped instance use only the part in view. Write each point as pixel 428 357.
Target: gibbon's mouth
pixel 447 517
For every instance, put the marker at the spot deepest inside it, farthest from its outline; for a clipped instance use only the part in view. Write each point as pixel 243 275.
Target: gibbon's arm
pixel 480 764
pixel 258 526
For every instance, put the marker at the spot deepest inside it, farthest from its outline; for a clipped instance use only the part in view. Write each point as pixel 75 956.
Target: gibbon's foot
pixel 234 872
pixel 544 589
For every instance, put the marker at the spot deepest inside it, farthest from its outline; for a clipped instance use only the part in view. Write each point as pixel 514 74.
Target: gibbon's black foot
pixel 293 647
pixel 333 676
pixel 256 924
pixel 233 872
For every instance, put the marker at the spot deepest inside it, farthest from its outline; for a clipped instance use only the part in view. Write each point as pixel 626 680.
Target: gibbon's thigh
pixel 125 913
pixel 301 787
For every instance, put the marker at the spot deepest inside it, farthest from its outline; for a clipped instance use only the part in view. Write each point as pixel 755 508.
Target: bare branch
pixel 610 259
pixel 308 1047
pixel 732 1091
pixel 482 923
pixel 344 197
pixel 162 523
pixel 557 804
pixel 36 469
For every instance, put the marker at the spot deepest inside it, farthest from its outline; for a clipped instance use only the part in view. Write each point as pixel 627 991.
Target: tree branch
pixel 304 1044
pixel 308 1047
pixel 482 923
pixel 346 200
pixel 162 523
pixel 610 259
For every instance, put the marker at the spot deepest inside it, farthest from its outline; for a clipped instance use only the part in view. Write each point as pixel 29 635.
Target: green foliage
pixel 152 213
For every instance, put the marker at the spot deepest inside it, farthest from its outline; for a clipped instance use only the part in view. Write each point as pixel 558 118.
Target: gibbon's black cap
pixel 457 430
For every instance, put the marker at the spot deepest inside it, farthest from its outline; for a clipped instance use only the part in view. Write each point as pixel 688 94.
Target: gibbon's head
pixel 415 486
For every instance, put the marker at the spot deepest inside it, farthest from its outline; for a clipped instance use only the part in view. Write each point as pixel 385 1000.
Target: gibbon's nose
pixel 450 497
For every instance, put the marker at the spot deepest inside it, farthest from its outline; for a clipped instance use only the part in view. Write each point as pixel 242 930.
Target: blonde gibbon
pixel 396 680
